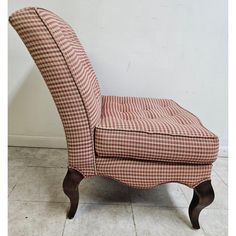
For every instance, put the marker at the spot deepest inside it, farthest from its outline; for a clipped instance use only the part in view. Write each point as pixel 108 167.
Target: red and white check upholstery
pixel 147 174
pixel 69 76
pixel 152 129
pixel 141 142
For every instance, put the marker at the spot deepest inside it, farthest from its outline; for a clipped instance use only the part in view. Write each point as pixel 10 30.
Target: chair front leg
pixel 70 188
pixel 203 196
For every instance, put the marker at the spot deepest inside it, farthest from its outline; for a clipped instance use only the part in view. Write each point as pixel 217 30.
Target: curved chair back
pixel 69 76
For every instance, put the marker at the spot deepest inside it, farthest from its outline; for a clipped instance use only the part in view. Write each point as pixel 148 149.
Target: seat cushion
pixel 152 129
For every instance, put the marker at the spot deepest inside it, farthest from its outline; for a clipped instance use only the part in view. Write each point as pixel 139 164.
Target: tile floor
pixel 37 205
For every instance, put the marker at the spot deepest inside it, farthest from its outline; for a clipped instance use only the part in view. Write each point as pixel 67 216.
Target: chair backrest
pixel 69 76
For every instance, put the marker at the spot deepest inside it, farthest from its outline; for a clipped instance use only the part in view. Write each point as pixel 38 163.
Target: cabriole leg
pixel 203 196
pixel 70 188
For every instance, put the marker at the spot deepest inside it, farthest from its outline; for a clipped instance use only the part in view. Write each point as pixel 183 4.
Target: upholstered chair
pixel 141 142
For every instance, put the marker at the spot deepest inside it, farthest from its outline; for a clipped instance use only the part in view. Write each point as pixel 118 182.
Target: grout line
pixel 10 200
pixel 12 146
pixel 55 167
pixel 36 166
pixel 108 204
pixel 184 195
pixel 220 177
pixel 115 204
pixel 23 172
pixel 131 205
pixel 82 203
pixel 182 191
pixel 11 190
pixel 64 228
pixel 135 228
pixel 203 230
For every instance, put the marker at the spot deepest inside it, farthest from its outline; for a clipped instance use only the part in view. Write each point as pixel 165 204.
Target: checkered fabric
pixel 147 174
pixel 152 129
pixel 69 77
pixel 141 142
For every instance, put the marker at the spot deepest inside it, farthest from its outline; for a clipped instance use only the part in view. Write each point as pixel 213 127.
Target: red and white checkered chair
pixel 141 142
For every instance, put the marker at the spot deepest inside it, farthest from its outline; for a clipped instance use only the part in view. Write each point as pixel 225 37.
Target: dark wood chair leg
pixel 70 188
pixel 203 196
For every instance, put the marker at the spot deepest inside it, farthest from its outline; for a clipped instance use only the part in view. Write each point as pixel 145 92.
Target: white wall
pixel 158 48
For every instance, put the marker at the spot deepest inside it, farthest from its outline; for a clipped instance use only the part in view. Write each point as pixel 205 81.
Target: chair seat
pixel 152 129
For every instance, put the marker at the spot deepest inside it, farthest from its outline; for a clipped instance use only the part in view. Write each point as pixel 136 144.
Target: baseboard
pixel 60 142
pixel 37 141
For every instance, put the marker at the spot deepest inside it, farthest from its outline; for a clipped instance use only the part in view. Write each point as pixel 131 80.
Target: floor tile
pixel 103 190
pixel 155 221
pixel 36 176
pixel 45 157
pixel 21 156
pixel 36 219
pixel 168 195
pixel 14 175
pixel 214 222
pixel 50 158
pixel 220 166
pixel 40 184
pixel 220 189
pixel 102 220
